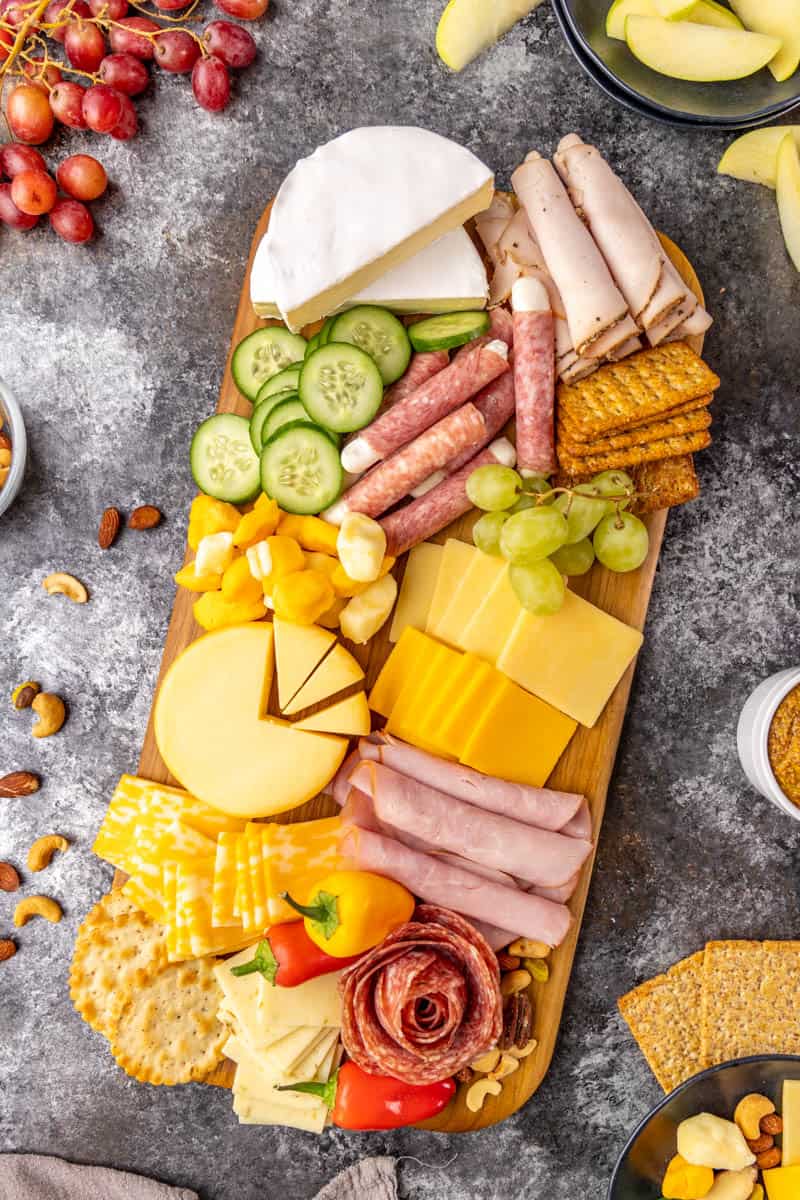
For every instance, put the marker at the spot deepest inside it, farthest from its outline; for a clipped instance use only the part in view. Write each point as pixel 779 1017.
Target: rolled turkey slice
pixel 540 856
pixel 593 303
pixel 535 806
pixel 438 882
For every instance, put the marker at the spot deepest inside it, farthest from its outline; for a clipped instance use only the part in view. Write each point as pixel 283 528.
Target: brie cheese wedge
pixel 360 206
pixel 447 276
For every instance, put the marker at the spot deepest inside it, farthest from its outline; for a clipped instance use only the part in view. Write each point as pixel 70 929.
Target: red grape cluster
pixel 106 51
pixel 33 192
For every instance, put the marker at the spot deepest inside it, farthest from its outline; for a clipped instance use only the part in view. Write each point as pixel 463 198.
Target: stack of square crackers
pixel 647 415
pixel 728 1001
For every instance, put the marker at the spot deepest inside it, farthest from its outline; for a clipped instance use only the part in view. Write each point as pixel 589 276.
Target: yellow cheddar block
pixel 349 717
pixel 417 588
pixel 443 698
pixel 223 891
pixel 478 692
pixel 299 649
pixel 337 671
pixel 518 737
pixel 408 711
pixel 790 1111
pixel 479 578
pixel 782 1183
pixel 456 558
pixel 407 659
pixel 487 630
pixel 573 659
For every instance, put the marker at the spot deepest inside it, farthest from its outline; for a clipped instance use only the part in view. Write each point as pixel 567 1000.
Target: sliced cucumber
pixel 285 380
pixel 224 464
pixel 260 414
pixel 448 330
pixel 300 468
pixel 263 354
pixel 282 414
pixel 325 332
pixel 379 334
pixel 314 344
pixel 341 387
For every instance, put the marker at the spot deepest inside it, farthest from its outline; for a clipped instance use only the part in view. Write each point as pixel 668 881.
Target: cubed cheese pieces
pixel 518 737
pixel 573 659
pixel 337 671
pixel 455 560
pixel 299 649
pixel 790 1112
pixel 416 591
pixel 349 717
pixel 405 661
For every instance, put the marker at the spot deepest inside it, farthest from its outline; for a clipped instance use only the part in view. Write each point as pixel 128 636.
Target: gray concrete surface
pixel 116 352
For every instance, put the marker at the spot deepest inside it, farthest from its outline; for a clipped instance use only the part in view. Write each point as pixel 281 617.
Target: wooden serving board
pixel 585 767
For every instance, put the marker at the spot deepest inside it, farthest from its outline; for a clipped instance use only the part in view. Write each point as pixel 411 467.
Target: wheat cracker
pixel 691 422
pixel 751 992
pixel 664 1017
pixel 671 447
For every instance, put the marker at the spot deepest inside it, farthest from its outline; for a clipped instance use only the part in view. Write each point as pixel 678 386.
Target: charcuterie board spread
pixel 353 865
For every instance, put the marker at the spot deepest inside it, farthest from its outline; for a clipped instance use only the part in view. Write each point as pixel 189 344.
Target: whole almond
pixel 7 949
pixel 19 783
pixel 109 528
pixel 146 516
pixel 9 878
pixel 5 441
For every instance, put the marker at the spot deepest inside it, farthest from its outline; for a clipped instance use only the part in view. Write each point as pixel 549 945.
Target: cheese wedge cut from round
pixel 349 717
pixel 299 649
pixel 339 670
pixel 359 206
pixel 213 738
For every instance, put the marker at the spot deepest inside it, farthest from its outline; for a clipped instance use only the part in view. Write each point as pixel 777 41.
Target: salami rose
pixel 424 1003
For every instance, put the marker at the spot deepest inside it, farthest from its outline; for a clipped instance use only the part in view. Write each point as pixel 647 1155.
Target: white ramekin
pixel 753 732
pixel 13 423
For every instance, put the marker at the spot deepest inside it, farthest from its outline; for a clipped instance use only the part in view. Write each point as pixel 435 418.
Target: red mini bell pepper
pixel 287 957
pixel 361 1101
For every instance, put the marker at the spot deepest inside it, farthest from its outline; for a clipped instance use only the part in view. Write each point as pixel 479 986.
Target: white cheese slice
pixel 447 276
pixel 315 1002
pixel 284 1109
pixel 359 206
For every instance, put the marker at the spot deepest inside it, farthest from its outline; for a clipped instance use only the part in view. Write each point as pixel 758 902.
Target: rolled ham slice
pixel 441 883
pixel 581 824
pixel 534 377
pixel 538 856
pixel 445 502
pixel 535 806
pixel 593 303
pixel 423 366
pixel 463 430
pixel 408 418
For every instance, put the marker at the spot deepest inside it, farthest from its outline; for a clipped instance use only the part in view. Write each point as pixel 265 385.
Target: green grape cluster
pixel 548 533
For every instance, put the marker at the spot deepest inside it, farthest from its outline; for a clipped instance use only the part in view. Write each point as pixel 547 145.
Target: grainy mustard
pixel 783 745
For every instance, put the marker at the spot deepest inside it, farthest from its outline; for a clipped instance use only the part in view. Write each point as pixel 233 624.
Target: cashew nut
pixel 528 948
pixel 43 849
pixel 61 584
pixel 524 1051
pixel 478 1091
pixel 749 1111
pixel 733 1185
pixel 50 710
pixel 507 1066
pixel 37 906
pixel 486 1062
pixel 514 981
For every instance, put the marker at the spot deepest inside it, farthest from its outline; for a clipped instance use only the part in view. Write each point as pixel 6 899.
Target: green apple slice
pixel 777 18
pixel 468 27
pixel 708 12
pixel 674 10
pixel 788 192
pixel 698 53
pixel 754 156
pixel 622 9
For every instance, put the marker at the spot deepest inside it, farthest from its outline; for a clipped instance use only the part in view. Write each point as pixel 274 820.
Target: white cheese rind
pixel 360 206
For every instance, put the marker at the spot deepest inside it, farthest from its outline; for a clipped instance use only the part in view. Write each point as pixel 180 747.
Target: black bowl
pixel 641 1166
pixel 737 104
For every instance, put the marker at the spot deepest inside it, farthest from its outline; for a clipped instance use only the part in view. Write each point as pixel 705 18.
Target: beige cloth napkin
pixel 37 1177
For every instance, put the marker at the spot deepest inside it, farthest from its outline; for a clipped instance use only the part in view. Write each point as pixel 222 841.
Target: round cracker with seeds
pixel 168 1031
pixel 112 957
pixel 114 904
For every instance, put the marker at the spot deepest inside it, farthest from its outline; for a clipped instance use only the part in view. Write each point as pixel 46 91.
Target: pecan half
pixel 24 694
pixel 109 528
pixel 146 516
pixel 19 783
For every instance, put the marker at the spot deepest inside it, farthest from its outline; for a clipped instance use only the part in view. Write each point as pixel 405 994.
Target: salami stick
pixel 442 504
pixel 534 377
pixel 463 430
pixel 422 367
pixel 405 420
pixel 496 404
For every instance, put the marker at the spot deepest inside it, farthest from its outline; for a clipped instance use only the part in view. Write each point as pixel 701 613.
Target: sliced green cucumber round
pixel 448 330
pixel 260 414
pixel 263 354
pixel 224 463
pixel 341 387
pixel 314 344
pixel 282 414
pixel 284 381
pixel 325 332
pixel 379 334
pixel 300 468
